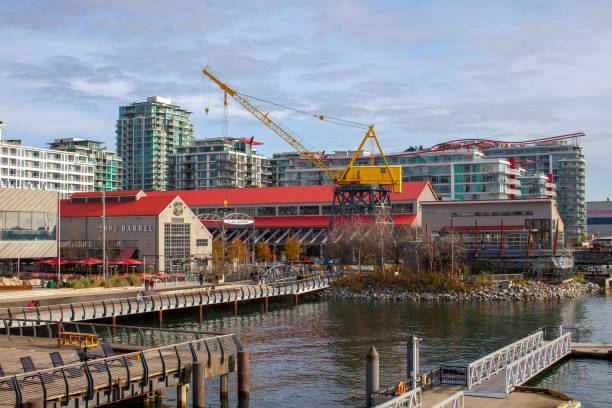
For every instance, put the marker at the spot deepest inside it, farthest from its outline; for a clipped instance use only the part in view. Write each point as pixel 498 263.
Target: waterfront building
pixel 159 230
pixel 218 163
pixel 279 212
pixel 599 218
pixel 107 165
pixel 147 133
pixel 481 223
pixel 28 226
pixel 537 186
pixel 455 174
pixel 563 158
pixel 44 169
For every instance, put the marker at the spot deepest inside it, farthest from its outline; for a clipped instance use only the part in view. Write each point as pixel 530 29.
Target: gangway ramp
pixel 497 374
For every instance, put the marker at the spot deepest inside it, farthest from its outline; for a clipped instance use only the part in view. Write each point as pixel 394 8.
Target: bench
pixel 83 340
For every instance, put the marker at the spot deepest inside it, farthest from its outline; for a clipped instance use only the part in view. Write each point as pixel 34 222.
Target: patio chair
pixel 8 381
pixel 28 367
pixel 58 361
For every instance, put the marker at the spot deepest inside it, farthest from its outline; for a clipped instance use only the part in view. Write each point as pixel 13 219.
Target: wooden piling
pixel 159 318
pixel 223 387
pixel 372 374
pixel 266 304
pixel 199 385
pixel 200 310
pixel 235 308
pixel 296 300
pixel 159 399
pixel 243 375
pixel 181 396
pixel 114 323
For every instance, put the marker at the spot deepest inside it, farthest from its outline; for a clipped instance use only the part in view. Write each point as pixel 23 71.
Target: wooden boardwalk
pixel 104 380
pixel 169 300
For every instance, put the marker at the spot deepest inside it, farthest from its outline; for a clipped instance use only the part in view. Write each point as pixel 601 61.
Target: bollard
pixel 372 379
pixel 199 385
pixel 412 359
pixel 223 388
pixel 243 375
pixel 181 396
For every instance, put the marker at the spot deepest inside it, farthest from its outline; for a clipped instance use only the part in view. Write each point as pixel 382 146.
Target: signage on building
pixel 235 221
pixel 178 208
pixel 127 228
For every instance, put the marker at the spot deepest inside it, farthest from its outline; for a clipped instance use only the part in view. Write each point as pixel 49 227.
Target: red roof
pixel 143 206
pixel 108 193
pixel 483 227
pixel 309 221
pixel 279 195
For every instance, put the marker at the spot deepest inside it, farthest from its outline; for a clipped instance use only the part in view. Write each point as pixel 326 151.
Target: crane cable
pixel 331 119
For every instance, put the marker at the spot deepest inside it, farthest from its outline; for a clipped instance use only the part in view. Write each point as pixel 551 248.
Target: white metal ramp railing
pixel 454 401
pixel 491 364
pixel 525 368
pixel 409 399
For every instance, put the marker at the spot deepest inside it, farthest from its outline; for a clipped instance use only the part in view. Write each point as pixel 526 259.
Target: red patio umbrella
pixel 118 262
pixel 134 262
pixel 89 261
pixel 53 261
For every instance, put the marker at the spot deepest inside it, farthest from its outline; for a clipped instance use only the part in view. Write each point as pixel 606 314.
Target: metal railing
pixel 162 301
pixel 108 333
pixel 537 361
pixel 553 332
pixel 104 380
pixel 409 399
pixel 491 364
pixel 454 401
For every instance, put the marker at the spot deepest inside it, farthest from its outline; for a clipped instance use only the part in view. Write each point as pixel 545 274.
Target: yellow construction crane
pixel 352 174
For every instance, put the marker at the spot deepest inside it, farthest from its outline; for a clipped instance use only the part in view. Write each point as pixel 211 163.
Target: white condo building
pixel 44 169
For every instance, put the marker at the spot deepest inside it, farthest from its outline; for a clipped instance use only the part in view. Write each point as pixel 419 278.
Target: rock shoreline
pixel 503 292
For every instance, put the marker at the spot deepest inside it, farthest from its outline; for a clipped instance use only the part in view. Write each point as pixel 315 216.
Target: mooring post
pixel 266 304
pixel 181 395
pixel 372 378
pixel 243 375
pixel 200 307
pixel 412 359
pixel 235 308
pixel 296 300
pixel 159 314
pixel 199 385
pixel 145 401
pixel 114 323
pixel 159 398
pixel 223 387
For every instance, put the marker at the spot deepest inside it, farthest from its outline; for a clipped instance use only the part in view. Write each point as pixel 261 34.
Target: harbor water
pixel 313 354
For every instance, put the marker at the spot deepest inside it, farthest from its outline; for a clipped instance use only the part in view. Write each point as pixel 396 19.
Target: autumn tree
pixel 236 249
pixel 293 249
pixel 263 252
pixel 218 258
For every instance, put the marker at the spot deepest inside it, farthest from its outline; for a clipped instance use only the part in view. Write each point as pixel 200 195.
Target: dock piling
pixel 181 395
pixel 412 359
pixel 223 387
pixel 34 403
pixel 296 300
pixel 159 399
pixel 266 304
pixel 235 308
pixel 200 307
pixel 372 374
pixel 199 385
pixel 159 314
pixel 243 375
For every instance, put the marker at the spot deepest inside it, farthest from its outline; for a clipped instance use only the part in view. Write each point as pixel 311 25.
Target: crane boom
pixel 384 175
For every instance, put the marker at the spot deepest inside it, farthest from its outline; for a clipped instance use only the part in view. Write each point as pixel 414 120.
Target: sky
pixel 423 72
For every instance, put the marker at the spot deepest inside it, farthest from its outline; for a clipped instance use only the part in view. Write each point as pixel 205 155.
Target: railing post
pixel 372 378
pixel 223 387
pixel 199 385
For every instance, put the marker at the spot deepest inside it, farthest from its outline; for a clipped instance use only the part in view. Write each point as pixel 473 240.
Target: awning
pixel 126 253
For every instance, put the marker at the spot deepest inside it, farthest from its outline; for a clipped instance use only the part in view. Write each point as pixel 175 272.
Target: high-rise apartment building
pixel 565 161
pixel 218 163
pixel 147 133
pixel 107 165
pixel 44 169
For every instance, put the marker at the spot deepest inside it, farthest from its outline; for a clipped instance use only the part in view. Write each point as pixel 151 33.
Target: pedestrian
pixel 201 279
pixel 31 304
pixel 37 303
pixel 151 284
pixel 146 283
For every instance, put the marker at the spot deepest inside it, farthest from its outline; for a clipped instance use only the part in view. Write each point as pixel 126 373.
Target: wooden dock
pixel 592 350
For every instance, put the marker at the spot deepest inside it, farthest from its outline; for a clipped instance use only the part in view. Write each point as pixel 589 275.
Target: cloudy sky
pixel 422 71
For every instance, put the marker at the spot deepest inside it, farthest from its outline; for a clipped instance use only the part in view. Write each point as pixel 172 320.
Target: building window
pixel 177 244
pixel 309 210
pixel 266 211
pixel 201 242
pixel 287 210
